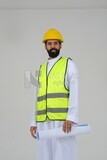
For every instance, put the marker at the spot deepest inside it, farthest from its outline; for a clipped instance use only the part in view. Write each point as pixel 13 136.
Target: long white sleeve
pixel 33 121
pixel 71 83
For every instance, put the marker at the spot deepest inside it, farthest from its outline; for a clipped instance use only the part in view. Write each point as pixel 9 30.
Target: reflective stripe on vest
pixel 53 95
pixel 52 100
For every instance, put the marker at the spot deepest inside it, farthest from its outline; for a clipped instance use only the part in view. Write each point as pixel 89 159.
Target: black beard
pixel 53 52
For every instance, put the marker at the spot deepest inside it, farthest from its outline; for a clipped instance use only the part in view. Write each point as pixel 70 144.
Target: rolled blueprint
pixel 58 132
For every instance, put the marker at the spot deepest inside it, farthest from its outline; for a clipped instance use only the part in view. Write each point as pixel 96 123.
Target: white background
pixel 85 41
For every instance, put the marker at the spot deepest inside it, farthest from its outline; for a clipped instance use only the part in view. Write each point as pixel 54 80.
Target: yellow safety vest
pixel 52 99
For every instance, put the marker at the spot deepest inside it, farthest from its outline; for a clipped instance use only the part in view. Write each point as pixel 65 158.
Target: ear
pixel 60 45
pixel 45 47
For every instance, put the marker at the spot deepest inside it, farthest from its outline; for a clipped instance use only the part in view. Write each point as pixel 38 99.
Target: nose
pixel 53 45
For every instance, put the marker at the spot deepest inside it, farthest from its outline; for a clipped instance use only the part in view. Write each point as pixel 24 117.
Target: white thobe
pixel 60 148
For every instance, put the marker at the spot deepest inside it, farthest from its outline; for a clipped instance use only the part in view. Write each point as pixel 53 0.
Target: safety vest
pixel 52 99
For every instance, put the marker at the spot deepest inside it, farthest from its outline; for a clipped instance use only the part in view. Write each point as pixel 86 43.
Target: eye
pixel 55 43
pixel 49 43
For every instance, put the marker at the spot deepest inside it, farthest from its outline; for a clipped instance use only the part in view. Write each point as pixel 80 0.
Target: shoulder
pixel 70 62
pixel 42 65
pixel 72 65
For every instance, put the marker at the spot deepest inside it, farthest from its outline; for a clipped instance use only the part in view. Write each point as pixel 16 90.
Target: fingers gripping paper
pixel 58 132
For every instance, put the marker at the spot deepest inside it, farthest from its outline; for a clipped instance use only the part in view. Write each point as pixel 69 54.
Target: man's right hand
pixel 33 130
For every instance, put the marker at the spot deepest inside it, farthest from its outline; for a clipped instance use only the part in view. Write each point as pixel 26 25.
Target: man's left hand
pixel 67 126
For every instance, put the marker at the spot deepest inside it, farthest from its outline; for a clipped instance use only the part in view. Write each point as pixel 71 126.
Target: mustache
pixel 53 49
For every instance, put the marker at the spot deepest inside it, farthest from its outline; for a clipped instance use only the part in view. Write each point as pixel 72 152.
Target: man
pixel 57 101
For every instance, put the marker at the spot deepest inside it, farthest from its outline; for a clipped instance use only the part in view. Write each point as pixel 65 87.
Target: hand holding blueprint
pixel 58 132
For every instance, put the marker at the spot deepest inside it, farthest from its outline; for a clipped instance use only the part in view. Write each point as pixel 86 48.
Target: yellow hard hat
pixel 52 34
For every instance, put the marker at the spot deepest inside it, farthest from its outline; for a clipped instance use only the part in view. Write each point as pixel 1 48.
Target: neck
pixel 50 58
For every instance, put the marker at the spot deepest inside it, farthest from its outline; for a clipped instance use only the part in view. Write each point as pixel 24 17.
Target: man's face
pixel 53 48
